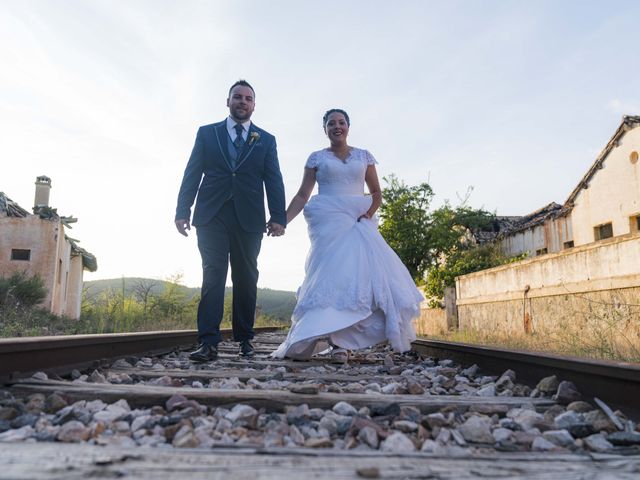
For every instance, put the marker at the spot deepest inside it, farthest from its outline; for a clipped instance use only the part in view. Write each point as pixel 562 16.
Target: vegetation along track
pixel 382 415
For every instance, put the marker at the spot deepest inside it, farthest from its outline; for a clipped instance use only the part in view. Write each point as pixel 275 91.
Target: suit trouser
pixel 222 241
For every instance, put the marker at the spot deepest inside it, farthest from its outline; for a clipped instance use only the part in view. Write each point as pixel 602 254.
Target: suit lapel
pixel 248 147
pixel 221 137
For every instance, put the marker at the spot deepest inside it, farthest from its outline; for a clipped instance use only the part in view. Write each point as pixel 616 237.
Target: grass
pixel 35 322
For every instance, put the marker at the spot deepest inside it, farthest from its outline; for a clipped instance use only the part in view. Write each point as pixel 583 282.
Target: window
pixel 20 254
pixel 634 224
pixel 541 251
pixel 568 244
pixel 603 231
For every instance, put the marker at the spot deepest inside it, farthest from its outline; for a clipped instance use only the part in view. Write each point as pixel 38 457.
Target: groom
pixel 230 163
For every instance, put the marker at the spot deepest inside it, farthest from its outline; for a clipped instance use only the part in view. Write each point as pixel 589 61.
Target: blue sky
pixel 513 98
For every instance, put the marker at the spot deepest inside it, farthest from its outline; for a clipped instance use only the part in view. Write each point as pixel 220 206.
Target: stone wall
pixel 432 321
pixel 568 291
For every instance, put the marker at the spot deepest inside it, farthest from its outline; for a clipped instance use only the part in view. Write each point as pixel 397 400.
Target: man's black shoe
pixel 204 353
pixel 246 349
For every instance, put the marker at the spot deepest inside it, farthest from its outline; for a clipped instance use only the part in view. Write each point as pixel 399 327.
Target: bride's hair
pixel 335 110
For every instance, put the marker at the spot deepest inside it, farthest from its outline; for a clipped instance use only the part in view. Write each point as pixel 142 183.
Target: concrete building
pixel 604 204
pixel 582 277
pixel 37 244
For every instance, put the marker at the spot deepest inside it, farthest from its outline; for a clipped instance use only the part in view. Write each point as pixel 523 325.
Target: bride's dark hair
pixel 335 110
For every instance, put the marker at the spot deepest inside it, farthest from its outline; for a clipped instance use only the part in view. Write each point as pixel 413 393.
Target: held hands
pixel 183 225
pixel 274 229
pixel 364 215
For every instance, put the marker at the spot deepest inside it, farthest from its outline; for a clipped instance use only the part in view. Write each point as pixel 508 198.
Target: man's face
pixel 241 103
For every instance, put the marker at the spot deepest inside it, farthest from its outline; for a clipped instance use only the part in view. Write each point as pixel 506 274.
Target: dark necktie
pixel 239 141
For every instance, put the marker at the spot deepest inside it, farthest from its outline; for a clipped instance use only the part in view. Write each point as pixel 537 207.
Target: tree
pixel 143 290
pixel 461 262
pixel 435 245
pixel 404 215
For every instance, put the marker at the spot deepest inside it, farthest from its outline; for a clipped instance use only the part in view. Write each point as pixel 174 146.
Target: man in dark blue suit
pixel 232 163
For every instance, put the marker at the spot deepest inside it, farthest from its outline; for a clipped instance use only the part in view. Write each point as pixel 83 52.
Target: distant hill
pixel 277 303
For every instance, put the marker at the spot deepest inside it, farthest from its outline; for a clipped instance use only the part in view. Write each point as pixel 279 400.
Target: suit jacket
pixel 210 174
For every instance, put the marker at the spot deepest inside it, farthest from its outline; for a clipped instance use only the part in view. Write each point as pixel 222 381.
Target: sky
pixel 514 99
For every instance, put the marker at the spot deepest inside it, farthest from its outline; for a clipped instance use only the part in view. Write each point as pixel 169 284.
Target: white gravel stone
pixel 18 434
pixel 391 388
pixel 121 363
pixel 93 406
pixel 458 438
pixel 344 408
pixel 296 435
pixel 241 412
pixel 525 418
pixel 397 442
pixel 562 438
pixel 111 414
pixel 97 377
pixel 487 391
pixel 369 436
pixel 567 419
pixel 431 446
pixel 540 444
pixel 405 426
pixel 73 431
pixel 501 434
pixel 444 436
pixel 477 429
pixel 164 381
pixel 139 422
pixel 436 420
pixel 373 388
pixel 597 443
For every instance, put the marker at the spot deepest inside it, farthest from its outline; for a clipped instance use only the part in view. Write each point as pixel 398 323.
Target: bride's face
pixel 337 127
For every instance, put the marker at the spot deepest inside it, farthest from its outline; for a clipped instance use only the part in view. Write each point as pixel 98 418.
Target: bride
pixel 356 291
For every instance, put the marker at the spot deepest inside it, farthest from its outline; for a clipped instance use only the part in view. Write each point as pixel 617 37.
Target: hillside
pixel 276 303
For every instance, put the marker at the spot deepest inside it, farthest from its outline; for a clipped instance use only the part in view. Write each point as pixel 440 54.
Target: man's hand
pixel 274 229
pixel 182 226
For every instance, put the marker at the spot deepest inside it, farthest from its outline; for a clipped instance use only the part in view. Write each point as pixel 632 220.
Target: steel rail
pixel 617 383
pixel 60 354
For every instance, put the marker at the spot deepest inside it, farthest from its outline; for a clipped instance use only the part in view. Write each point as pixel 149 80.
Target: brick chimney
pixel 43 188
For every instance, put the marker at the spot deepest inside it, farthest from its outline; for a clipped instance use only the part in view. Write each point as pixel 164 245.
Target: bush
pixel 21 290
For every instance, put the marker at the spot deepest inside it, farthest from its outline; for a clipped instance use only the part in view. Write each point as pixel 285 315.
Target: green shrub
pixel 21 290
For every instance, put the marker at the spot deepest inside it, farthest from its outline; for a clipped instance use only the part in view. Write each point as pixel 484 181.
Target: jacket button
pixel 233 174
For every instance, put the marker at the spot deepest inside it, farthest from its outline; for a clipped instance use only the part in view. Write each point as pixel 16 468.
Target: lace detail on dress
pixel 337 177
pixel 312 161
pixel 369 158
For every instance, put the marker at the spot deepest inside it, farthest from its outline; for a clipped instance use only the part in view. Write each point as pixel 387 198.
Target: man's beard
pixel 241 115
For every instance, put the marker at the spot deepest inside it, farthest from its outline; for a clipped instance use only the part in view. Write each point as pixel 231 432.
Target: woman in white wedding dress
pixel 356 292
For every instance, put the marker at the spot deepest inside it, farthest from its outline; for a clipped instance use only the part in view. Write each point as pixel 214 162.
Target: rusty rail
pixel 617 383
pixel 60 354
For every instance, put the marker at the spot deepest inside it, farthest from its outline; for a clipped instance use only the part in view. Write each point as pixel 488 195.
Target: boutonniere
pixel 253 137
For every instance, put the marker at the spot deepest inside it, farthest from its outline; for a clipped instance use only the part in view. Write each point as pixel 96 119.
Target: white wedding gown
pixel 356 292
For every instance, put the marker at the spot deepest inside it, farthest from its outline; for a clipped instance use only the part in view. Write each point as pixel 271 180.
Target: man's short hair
pixel 242 83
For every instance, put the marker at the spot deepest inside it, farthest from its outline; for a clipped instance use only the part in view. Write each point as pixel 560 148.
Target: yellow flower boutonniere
pixel 253 137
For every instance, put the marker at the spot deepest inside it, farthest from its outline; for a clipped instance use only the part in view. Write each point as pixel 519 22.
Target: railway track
pixel 97 411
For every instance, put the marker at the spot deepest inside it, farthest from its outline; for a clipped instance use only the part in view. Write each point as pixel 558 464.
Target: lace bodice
pixel 336 177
